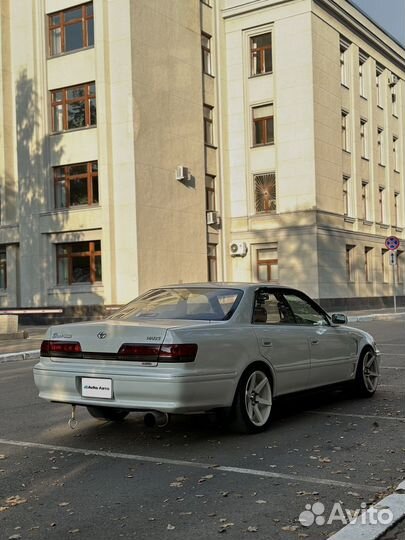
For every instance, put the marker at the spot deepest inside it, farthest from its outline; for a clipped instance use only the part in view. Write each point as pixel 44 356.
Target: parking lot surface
pixel 192 477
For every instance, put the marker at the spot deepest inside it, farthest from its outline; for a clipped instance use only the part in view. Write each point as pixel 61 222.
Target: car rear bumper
pixel 141 390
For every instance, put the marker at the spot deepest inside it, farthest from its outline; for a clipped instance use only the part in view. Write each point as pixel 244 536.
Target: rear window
pixel 206 304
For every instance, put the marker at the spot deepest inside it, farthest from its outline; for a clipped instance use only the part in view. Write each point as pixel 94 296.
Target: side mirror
pixel 339 318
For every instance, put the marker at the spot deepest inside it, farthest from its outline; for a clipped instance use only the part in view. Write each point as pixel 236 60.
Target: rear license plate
pixel 98 388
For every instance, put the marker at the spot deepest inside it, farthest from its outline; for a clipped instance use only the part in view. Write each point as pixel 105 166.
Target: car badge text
pixel 101 335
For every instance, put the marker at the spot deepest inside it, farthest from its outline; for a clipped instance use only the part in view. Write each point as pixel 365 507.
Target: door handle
pixel 267 343
pixel 314 342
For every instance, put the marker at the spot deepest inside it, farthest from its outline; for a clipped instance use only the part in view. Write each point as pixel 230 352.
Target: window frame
pixel 65 102
pixel 92 253
pixel 210 197
pixel 268 264
pixel 346 147
pixel 67 178
pixel 368 264
pixel 395 153
pixel 265 122
pixel 364 143
pixel 208 124
pixel 365 195
pixel 206 54
pixel 270 201
pixel 85 21
pixel 349 262
pixel 382 211
pixel 212 262
pixel 258 55
pixel 381 146
pixel 397 202
pixel 3 268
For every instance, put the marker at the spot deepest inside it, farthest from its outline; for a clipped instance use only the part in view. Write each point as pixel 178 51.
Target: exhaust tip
pixel 152 419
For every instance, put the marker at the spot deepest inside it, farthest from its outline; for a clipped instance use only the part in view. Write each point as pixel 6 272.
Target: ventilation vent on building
pixel 238 249
pixel 213 218
pixel 181 172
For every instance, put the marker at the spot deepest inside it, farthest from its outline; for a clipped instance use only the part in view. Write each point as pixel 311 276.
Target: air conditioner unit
pixel 238 249
pixel 181 172
pixel 392 81
pixel 213 218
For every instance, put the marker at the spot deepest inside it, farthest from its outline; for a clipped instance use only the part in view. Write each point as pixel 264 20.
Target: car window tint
pixel 214 304
pixel 272 309
pixel 304 312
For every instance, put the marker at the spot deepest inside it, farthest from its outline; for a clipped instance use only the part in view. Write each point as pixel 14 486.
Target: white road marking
pixel 367 527
pixel 195 464
pixel 376 417
pixel 392 367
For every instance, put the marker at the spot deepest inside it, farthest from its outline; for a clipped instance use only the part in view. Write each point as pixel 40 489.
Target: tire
pixel 367 374
pixel 253 401
pixel 108 413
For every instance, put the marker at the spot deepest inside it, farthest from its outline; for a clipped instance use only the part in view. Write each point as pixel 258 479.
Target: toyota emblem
pixel 101 335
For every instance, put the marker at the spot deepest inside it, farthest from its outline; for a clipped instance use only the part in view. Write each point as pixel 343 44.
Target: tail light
pixel 139 353
pixel 184 352
pixel 61 348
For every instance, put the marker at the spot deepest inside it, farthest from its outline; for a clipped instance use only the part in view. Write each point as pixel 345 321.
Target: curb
pixel 367 527
pixel 25 355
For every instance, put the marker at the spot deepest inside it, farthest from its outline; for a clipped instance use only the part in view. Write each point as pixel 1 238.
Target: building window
pixel 394 95
pixel 364 200
pixel 3 268
pixel 73 107
pixel 210 193
pixel 265 192
pixel 364 138
pixel 212 262
pixel 345 131
pixel 379 85
pixel 261 54
pixel 397 220
pixel 208 125
pixel 380 146
pixel 78 262
pixel 344 62
pixel 363 74
pixel 399 268
pixel 349 262
pixel 381 204
pixel 368 269
pixel 395 151
pixel 384 265
pixel 263 125
pixel 76 184
pixel 347 196
pixel 267 264
pixel 206 54
pixel 71 29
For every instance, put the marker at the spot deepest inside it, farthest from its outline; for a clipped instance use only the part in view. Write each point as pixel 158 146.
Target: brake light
pixel 139 353
pixel 184 352
pixel 61 348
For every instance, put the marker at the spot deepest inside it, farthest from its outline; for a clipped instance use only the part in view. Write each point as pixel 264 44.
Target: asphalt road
pixel 191 478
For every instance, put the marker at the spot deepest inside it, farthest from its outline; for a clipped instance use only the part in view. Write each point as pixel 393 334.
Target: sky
pixel 390 14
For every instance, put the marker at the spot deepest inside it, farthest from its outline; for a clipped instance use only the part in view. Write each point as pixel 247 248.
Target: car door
pixel 333 350
pixel 281 341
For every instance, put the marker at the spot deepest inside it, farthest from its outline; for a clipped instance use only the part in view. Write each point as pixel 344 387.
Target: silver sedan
pixel 225 347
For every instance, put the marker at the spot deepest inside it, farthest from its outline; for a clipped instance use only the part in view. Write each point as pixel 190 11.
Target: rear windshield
pixel 206 304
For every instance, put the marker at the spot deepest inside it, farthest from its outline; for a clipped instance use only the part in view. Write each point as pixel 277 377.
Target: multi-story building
pixel 154 141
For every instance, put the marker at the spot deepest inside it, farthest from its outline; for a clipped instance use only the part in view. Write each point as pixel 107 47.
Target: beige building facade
pixel 148 142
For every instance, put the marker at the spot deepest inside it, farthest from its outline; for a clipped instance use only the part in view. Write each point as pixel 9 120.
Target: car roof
pixel 222 285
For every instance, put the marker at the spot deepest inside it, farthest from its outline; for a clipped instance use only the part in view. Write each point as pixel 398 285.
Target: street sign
pixel 393 257
pixel 392 243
